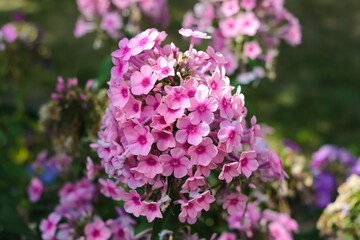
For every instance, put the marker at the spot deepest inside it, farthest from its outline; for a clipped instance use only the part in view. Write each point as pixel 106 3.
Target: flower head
pixel 97 230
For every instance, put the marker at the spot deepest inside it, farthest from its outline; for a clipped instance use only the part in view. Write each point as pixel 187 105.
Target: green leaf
pixel 104 71
pixel 11 221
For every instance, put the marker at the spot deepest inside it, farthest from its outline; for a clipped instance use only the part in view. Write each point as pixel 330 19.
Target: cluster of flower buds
pixel 74 218
pixel 175 133
pixel 341 218
pixel 246 32
pixel 118 17
pixel 329 165
pixel 44 171
pixel 73 115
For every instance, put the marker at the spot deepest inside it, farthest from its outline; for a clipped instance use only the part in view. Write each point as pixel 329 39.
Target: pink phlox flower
pixel 159 123
pixel 230 27
pixel 156 182
pixel 229 8
pixel 248 163
pixel 217 57
pixel 97 230
pixel 246 222
pixel 248 23
pixel 124 51
pixel 121 4
pixel 164 139
pixel 230 135
pixel 152 103
pixel 216 84
pixel 9 33
pixel 109 189
pixel 176 97
pixel 195 34
pixel 255 131
pixel 189 132
pixel 72 82
pixel 202 106
pixel 139 139
pixel 238 104
pixel 203 153
pixel 132 108
pixel 102 6
pixel 149 165
pixel 231 62
pixel 205 199
pixel 190 208
pixel 192 183
pixel 226 107
pixel 205 170
pixel 35 189
pixel 276 165
pixel 293 33
pixel 150 210
pixel 289 223
pixel 164 68
pixel 111 23
pixel 235 203
pixel 48 226
pixel 84 189
pixel 190 220
pixel 170 115
pixel 252 49
pixel 60 85
pixel 143 41
pixel 229 171
pixel 119 94
pixel 89 168
pixel 132 203
pixel 277 4
pixel 279 231
pixel 133 178
pixel 142 82
pixel 227 236
pixel 191 86
pixel 82 27
pixel 248 4
pixel 176 163
pixel 121 231
pixel 120 68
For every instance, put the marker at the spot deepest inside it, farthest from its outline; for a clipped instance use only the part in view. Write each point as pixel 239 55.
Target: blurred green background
pixel 314 100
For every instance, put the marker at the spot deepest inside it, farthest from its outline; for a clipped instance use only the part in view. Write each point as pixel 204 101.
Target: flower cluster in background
pixel 75 217
pixel 73 112
pixel 116 18
pixel 341 219
pixel 44 171
pixel 246 32
pixel 330 166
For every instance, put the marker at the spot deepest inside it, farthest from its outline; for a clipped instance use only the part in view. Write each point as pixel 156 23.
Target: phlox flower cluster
pixel 74 217
pixel 329 165
pixel 340 219
pixel 173 123
pixel 73 115
pixel 45 171
pixel 19 31
pixel 247 32
pixel 116 17
pixel 272 225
